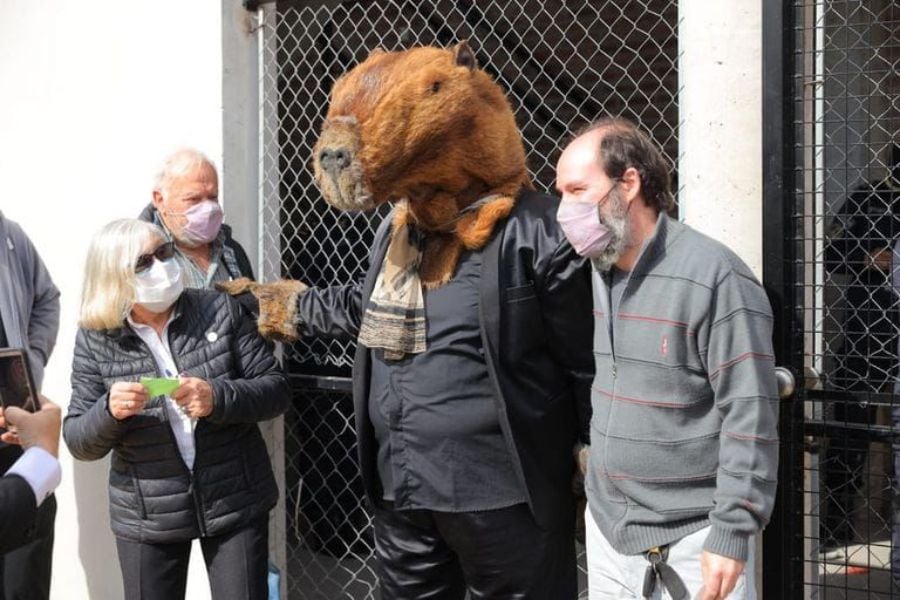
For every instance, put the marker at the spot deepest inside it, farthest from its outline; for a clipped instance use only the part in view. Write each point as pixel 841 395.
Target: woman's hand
pixel 194 396
pixel 126 398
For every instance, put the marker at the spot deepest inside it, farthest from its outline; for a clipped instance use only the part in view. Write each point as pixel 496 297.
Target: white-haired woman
pixel 187 462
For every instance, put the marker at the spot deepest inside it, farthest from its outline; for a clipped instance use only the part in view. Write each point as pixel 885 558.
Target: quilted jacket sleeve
pixel 261 391
pixel 89 430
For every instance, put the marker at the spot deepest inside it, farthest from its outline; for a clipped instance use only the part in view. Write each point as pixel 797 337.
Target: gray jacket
pixel 684 428
pixel 29 301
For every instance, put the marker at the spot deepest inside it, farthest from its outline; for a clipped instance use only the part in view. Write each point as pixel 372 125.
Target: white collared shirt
pixel 40 470
pixel 182 425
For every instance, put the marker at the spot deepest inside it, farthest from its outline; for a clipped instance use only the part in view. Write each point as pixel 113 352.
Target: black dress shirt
pixel 440 445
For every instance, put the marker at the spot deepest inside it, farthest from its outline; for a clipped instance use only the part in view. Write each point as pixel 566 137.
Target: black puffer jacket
pixel 153 496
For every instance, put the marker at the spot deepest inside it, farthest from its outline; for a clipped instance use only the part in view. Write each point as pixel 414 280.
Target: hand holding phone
pixel 16 382
pixel 39 429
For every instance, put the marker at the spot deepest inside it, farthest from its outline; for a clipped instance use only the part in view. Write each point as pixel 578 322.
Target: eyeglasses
pixel 163 253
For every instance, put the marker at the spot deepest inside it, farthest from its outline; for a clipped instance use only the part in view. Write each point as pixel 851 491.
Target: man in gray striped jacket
pixel 684 444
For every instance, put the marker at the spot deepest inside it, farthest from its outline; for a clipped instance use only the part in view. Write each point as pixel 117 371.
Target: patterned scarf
pixel 395 316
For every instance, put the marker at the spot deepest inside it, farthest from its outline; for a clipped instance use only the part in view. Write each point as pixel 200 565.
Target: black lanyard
pixel 659 570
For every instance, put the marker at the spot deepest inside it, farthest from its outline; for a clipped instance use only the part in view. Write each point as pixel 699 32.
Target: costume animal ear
pixel 464 56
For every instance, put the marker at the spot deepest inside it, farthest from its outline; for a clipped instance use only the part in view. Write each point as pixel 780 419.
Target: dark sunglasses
pixel 163 253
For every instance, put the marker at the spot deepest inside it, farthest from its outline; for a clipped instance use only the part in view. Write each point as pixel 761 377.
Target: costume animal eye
pixel 435 87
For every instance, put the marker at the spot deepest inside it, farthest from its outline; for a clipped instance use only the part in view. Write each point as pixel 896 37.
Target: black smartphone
pixel 16 382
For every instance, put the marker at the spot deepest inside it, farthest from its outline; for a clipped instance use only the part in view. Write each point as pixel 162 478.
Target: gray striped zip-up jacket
pixel 684 429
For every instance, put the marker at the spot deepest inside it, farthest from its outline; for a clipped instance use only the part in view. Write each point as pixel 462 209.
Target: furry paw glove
pixel 275 305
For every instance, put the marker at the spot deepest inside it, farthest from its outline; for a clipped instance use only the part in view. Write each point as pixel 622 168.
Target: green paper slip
pixel 159 386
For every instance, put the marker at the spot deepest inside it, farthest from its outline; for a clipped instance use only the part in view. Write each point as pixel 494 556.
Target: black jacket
pixel 153 496
pixel 20 517
pixel 867 222
pixel 537 330
pixel 18 511
pixel 244 268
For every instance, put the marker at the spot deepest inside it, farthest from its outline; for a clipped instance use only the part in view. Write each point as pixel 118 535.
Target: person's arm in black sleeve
pixel 332 312
pixel 18 511
pixel 567 304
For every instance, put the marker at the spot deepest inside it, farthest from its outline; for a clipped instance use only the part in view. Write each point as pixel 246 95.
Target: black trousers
pixel 495 554
pixel 843 472
pixel 237 564
pixel 25 572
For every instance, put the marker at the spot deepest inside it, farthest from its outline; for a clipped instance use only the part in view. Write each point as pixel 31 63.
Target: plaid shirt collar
pixel 223 263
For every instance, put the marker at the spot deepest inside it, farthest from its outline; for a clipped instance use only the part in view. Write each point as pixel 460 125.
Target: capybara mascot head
pixel 425 129
pixel 428 128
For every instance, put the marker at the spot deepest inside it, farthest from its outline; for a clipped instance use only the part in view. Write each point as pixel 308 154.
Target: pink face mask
pixel 580 222
pixel 204 220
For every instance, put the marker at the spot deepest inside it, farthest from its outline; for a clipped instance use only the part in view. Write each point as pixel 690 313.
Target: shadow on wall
pixel 96 544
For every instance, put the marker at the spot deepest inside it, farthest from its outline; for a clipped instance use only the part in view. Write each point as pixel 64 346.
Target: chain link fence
pixel 847 225
pixel 562 63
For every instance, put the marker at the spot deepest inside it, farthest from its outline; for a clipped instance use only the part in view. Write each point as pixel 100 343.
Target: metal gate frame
pixel 783 539
pixel 321 391
pixel 792 245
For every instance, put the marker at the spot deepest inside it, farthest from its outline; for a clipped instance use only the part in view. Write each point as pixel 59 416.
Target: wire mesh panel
pixel 562 63
pixel 847 227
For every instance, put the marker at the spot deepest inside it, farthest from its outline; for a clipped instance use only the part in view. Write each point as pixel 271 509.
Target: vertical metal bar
pixel 816 221
pixel 679 158
pixel 814 279
pixel 261 144
pixel 783 540
pixel 275 429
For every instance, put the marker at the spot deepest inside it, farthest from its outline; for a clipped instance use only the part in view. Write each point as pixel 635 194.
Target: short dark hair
pixel 623 146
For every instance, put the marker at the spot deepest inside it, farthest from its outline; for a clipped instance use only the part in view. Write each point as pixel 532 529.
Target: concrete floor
pixel 862 573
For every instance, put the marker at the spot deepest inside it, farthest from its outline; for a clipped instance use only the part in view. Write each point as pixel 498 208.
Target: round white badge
pixel 212 336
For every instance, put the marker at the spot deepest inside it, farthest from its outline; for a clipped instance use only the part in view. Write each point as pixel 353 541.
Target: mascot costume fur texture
pixel 472 375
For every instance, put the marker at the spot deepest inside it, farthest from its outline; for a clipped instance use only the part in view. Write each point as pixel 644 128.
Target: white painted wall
pixel 720 134
pixel 93 95
pixel 720 130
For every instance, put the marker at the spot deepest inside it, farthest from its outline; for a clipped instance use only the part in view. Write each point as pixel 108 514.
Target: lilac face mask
pixel 580 222
pixel 204 220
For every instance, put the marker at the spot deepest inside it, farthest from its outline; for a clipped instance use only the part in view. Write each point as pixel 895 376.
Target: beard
pixel 617 222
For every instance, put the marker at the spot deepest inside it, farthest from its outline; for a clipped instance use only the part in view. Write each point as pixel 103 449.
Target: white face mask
pixel 157 288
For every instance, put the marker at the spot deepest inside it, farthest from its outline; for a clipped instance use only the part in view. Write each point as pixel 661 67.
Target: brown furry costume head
pixel 427 126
